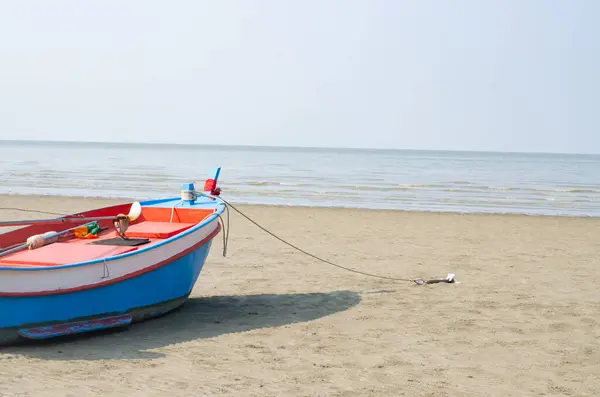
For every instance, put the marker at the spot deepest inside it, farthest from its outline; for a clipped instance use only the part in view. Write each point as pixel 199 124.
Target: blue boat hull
pixel 136 299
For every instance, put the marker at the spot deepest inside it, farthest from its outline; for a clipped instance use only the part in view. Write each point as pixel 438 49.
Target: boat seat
pixel 159 230
pixel 57 254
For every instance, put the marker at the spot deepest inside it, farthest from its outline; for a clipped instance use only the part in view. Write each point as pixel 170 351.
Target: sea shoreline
pixel 14 198
pixel 423 181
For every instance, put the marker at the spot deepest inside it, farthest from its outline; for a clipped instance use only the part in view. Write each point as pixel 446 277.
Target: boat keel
pixel 56 330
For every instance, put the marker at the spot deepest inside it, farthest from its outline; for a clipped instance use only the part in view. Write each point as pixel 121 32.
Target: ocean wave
pixel 553 191
pixel 259 183
pixel 580 191
pixel 390 180
pixel 461 183
pixel 267 184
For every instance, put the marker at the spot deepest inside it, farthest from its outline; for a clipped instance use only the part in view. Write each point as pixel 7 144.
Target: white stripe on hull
pixel 15 281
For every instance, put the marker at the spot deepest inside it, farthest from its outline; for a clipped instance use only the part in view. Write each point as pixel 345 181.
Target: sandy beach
pixel 269 321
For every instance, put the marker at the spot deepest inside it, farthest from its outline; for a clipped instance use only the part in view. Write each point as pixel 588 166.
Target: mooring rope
pixel 225 230
pixel 34 211
pixel 228 204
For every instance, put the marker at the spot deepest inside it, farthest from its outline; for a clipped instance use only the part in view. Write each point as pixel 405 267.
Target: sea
pixel 407 180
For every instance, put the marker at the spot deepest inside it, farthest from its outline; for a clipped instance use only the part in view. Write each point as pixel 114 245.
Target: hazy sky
pixel 515 75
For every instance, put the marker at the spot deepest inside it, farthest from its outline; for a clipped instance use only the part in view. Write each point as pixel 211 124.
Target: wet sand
pixel 269 321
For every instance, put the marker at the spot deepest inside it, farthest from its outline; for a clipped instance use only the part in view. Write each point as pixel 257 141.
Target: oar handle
pixel 134 213
pixel 57 221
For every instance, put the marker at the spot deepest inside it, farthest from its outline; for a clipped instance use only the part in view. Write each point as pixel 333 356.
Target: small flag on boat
pixel 87 231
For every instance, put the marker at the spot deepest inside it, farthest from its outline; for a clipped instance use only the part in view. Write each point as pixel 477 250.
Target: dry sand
pixel 269 321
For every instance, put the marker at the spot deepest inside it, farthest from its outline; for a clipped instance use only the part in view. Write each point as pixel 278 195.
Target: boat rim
pixel 219 209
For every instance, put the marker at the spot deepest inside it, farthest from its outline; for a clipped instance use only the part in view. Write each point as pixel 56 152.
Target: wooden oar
pixel 45 238
pixel 134 212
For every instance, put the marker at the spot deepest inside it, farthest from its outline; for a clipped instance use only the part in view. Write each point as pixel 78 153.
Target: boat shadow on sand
pixel 198 318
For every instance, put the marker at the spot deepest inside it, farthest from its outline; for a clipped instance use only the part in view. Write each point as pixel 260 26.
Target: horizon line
pixel 131 143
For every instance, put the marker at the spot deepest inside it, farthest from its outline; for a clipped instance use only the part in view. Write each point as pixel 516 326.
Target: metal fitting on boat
pixel 188 192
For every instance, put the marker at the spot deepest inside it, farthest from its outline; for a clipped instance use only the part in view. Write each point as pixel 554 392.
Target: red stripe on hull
pixel 122 278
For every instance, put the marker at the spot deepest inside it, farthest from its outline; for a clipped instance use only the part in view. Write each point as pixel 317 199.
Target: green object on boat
pixel 93 228
pixel 88 231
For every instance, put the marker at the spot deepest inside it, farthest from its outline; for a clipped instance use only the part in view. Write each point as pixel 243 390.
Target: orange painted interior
pixel 63 253
pixel 181 215
pixel 161 230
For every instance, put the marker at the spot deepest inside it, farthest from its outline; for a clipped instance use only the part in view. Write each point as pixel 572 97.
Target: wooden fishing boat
pixel 101 269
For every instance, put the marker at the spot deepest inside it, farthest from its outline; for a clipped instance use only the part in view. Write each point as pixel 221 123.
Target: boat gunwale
pixel 219 209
